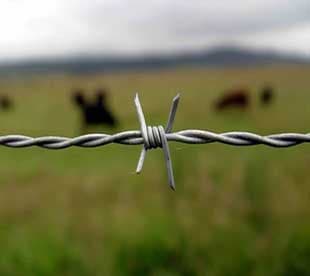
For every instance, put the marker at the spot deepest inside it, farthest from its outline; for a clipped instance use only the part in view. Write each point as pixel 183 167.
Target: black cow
pixel 94 112
pixel 267 95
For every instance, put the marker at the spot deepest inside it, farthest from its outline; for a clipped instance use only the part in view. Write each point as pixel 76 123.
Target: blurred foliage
pixel 296 255
pixel 26 253
pixel 163 249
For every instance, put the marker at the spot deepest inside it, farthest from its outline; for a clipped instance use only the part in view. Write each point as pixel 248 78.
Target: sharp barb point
pixel 177 97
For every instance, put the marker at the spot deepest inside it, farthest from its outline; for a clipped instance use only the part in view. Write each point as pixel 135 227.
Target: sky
pixel 59 28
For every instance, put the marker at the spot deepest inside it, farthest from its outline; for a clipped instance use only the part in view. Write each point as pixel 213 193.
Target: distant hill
pixel 222 56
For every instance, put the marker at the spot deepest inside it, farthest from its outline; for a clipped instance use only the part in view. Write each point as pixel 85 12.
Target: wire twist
pixel 152 137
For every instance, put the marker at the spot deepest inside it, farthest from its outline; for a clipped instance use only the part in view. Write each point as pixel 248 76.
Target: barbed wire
pixel 152 137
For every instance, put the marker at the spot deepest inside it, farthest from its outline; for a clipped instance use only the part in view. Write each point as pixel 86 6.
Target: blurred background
pixel 73 67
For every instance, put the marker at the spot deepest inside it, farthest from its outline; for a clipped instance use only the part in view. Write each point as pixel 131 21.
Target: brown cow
pixel 5 102
pixel 234 98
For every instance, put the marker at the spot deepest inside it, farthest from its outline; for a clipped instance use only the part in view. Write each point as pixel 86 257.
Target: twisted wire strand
pixel 134 137
pixel 157 137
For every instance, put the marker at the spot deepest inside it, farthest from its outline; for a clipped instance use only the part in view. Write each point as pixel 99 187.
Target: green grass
pixel 236 211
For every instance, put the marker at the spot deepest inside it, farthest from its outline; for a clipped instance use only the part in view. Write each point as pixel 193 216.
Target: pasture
pixel 236 210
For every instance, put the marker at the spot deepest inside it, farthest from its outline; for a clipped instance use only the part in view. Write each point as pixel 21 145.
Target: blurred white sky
pixel 35 28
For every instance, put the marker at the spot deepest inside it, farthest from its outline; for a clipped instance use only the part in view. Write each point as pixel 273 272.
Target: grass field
pixel 236 211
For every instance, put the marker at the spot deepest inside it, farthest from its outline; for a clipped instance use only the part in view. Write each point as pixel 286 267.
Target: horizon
pixel 159 54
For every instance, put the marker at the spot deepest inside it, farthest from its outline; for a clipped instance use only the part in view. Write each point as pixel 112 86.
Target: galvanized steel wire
pixel 153 137
pixel 134 137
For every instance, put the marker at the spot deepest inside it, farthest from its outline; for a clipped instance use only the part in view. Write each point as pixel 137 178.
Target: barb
pixel 154 137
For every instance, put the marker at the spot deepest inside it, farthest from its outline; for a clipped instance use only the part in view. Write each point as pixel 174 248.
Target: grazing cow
pixel 236 98
pixel 5 102
pixel 94 112
pixel 267 95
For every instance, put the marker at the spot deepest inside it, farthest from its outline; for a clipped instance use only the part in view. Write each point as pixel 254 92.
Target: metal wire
pixel 153 137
